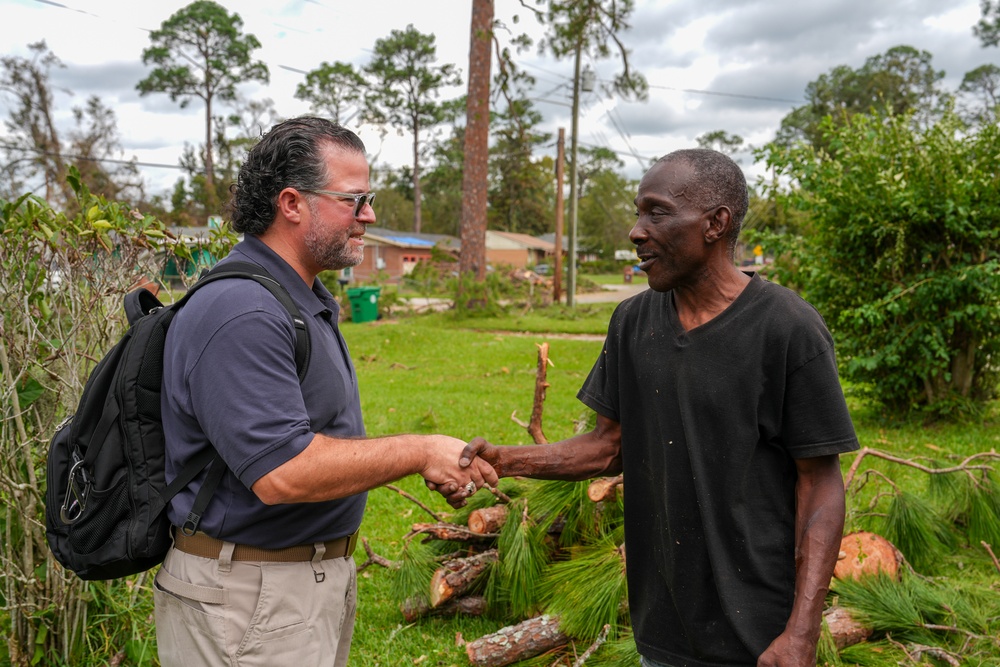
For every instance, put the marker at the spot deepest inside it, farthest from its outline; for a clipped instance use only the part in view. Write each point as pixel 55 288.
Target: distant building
pixel 518 250
pixel 396 253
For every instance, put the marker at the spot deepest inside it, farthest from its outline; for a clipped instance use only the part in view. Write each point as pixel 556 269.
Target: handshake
pixel 457 470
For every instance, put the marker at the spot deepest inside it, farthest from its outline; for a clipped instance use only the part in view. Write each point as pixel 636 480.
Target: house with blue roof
pixel 396 253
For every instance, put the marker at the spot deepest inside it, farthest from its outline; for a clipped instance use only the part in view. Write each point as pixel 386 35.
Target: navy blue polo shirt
pixel 229 382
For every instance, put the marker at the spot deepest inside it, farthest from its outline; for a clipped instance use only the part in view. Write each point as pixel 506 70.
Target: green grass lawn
pixel 436 374
pixel 466 377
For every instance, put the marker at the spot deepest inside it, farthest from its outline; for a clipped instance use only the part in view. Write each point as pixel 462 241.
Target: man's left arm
pixel 819 528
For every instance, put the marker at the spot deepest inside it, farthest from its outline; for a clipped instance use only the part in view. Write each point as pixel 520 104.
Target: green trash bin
pixel 364 303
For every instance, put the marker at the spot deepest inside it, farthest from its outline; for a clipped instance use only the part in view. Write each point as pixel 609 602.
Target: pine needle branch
pixel 419 504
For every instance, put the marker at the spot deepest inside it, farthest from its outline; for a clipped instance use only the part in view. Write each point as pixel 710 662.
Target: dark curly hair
pixel 288 156
pixel 718 182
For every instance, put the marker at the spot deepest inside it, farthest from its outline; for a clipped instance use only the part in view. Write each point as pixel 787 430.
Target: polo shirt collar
pixel 315 301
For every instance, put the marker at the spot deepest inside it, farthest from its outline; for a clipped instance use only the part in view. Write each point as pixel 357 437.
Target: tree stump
pixel 455 577
pixel 865 553
pixel 488 519
pixel 517 642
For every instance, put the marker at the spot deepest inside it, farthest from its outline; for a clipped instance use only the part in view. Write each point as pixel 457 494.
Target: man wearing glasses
pixel 269 578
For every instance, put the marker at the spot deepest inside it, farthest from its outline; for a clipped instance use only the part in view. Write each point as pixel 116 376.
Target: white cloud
pixel 752 50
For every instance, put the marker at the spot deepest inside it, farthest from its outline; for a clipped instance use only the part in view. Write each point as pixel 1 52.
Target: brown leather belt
pixel 202 545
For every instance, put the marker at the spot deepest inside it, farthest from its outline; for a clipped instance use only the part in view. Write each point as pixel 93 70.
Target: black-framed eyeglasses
pixel 360 198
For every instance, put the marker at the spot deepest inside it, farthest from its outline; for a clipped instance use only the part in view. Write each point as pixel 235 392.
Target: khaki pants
pixel 214 612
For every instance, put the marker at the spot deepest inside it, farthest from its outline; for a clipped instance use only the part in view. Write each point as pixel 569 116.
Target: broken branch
pixel 517 642
pixel 375 559
pixel 605 488
pixel 414 608
pixel 455 577
pixel 601 638
pixel 965 466
pixel 419 504
pixel 488 519
pixel 535 424
pixel 448 532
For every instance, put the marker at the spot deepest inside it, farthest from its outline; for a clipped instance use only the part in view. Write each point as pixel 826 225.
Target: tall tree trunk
pixel 210 197
pixel 477 128
pixel 558 260
pixel 416 174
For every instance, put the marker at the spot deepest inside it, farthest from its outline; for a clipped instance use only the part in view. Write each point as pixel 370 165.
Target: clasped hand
pixel 456 472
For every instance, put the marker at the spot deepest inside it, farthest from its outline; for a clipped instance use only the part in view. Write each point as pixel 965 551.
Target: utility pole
pixel 560 162
pixel 573 177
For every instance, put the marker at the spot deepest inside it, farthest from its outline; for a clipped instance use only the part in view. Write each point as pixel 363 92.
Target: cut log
pixel 455 577
pixel 605 488
pixel 844 629
pixel 865 553
pixel 414 608
pixel 448 532
pixel 517 642
pixel 488 519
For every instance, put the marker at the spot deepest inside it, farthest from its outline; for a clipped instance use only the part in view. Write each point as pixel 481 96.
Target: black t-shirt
pixel 712 420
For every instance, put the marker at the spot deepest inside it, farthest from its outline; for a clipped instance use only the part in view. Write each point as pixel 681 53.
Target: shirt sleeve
pixel 600 391
pixel 816 419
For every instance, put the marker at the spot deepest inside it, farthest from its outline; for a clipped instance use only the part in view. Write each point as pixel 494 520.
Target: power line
pixel 720 94
pixel 685 90
pixel 86 158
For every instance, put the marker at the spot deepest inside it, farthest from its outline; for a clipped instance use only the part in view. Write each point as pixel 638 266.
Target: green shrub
pixel 902 255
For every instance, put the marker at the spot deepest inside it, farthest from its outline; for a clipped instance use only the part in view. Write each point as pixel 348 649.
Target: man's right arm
pixel 581 457
pixel 330 468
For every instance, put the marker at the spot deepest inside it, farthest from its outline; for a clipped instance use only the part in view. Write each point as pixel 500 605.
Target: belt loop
pixel 319 549
pixel 226 557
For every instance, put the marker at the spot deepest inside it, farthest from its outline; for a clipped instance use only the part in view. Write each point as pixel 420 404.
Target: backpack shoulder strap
pixel 250 271
pixel 139 303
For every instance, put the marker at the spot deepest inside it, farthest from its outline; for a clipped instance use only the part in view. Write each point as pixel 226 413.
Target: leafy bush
pixel 61 289
pixel 902 255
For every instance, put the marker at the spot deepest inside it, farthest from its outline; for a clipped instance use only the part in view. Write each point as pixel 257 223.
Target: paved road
pixel 612 293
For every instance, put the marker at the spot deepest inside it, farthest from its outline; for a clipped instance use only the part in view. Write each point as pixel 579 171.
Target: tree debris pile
pixel 547 560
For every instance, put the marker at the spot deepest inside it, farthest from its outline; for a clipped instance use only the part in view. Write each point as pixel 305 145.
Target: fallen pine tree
pixel 559 554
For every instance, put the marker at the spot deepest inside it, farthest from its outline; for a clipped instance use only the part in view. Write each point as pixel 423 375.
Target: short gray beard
pixel 327 255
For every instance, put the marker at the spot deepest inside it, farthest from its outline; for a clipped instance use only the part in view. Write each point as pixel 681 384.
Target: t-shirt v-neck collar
pixel 720 320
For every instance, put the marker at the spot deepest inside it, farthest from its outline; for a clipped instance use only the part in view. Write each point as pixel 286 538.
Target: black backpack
pixel 106 494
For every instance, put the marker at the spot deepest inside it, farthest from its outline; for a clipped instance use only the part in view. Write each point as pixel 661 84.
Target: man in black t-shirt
pixel 717 395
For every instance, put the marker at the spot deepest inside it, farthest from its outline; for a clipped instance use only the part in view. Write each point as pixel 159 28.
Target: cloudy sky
pixel 734 65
